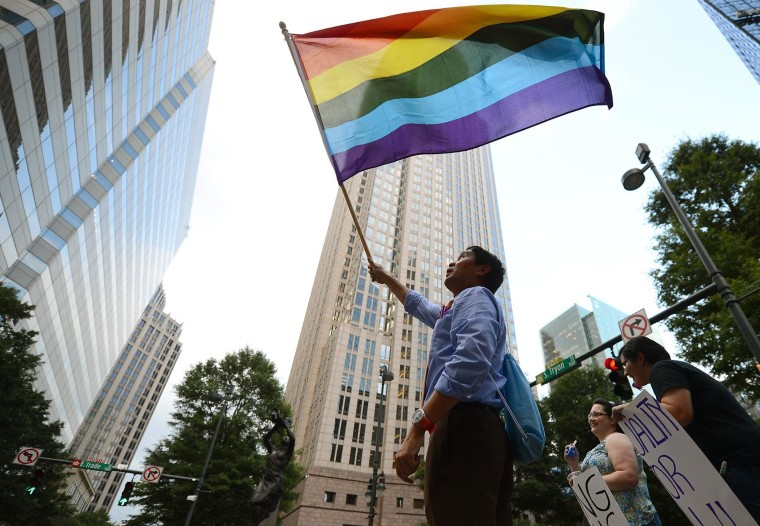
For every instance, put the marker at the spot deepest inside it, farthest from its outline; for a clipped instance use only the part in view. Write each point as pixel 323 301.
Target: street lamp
pixel 633 179
pixel 194 498
pixel 376 485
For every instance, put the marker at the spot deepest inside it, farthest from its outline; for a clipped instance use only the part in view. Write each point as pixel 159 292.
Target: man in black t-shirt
pixel 707 411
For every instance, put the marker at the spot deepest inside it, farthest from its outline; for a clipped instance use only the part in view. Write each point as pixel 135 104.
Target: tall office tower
pixel 739 21
pixel 103 107
pixel 578 330
pixel 122 410
pixel 417 215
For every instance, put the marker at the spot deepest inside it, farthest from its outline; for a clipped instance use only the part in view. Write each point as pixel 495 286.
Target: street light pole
pixel 633 179
pixel 375 483
pixel 194 497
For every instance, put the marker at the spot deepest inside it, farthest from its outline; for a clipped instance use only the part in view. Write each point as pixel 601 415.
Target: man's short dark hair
pixel 653 352
pixel 495 277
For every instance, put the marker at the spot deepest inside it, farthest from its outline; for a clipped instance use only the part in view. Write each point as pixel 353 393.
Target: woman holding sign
pixel 621 468
pixel 708 412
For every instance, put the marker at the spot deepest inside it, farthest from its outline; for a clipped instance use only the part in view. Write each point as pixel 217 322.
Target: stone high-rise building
pixel 417 215
pixel 124 406
pixel 102 110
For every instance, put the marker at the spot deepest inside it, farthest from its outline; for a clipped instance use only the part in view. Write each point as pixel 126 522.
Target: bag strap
pixel 509 409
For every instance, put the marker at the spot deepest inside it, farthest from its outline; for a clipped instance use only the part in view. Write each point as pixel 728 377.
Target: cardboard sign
pixel 596 499
pixel 679 464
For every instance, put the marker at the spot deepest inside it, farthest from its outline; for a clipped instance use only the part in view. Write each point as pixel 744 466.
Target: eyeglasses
pixel 624 362
pixel 594 414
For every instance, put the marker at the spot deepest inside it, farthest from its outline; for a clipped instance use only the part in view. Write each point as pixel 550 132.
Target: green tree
pixel 25 421
pixel 238 459
pixel 717 183
pixel 88 518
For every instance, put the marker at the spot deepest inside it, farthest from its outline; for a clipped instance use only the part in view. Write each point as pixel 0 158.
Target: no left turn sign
pixel 27 456
pixel 152 474
pixel 637 324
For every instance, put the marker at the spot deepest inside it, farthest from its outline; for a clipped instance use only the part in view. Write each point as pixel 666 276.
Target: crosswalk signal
pixel 124 500
pixel 621 387
pixel 37 483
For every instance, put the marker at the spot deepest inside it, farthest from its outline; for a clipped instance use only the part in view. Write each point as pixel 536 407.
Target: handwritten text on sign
pixel 680 465
pixel 596 500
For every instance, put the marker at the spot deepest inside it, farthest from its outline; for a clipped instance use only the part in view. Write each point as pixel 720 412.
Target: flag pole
pixel 302 76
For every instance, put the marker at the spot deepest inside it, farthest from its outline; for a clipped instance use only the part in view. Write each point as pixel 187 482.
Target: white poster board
pixel 596 499
pixel 680 465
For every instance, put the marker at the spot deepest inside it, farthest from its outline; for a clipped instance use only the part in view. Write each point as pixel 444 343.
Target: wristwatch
pixel 420 420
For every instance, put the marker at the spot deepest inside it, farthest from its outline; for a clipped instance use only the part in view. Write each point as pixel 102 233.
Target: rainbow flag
pixel 448 80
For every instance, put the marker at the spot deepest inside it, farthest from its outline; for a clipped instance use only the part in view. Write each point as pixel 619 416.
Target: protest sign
pixel 680 465
pixel 596 499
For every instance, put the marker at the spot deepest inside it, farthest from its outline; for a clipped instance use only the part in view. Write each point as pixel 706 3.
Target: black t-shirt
pixel 721 427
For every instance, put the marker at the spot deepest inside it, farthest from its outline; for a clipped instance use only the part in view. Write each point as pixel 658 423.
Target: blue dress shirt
pixel 468 342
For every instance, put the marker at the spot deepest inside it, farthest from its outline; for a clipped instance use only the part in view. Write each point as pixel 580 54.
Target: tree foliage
pixel 25 421
pixel 717 183
pixel 238 459
pixel 541 487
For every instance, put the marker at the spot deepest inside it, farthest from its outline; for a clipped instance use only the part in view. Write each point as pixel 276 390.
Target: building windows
pixel 358 434
pixel 343 404
pixel 399 435
pixel 351 500
pixel 361 409
pixel 399 502
pixel 418 504
pixel 329 496
pixel 355 456
pixel 336 453
pixel 339 429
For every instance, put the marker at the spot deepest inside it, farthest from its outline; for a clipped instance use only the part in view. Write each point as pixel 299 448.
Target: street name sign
pixel 557 370
pixel 97 466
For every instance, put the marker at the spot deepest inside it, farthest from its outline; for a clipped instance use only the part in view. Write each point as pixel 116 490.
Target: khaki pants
pixel 468 469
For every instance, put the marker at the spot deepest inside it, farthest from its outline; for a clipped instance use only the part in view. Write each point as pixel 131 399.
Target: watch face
pixel 418 415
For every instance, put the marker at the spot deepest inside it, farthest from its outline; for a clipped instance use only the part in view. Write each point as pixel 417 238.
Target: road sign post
pixel 27 456
pixel 152 474
pixel 637 324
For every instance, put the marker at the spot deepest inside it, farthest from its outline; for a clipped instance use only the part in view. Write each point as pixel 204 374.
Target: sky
pixel 265 187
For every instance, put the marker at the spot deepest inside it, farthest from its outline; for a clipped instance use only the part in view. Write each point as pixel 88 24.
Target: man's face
pixel 464 273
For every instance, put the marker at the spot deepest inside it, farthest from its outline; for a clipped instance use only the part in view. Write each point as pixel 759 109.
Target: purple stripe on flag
pixel 539 103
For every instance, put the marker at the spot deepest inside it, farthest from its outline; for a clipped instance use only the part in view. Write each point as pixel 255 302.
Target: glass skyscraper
pixel 418 215
pixel 739 21
pixel 103 106
pixel 578 330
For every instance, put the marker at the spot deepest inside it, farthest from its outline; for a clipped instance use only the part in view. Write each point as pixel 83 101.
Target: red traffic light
pixel 613 364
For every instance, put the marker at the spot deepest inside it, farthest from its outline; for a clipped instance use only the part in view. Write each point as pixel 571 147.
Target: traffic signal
pixel 124 500
pixel 37 483
pixel 621 387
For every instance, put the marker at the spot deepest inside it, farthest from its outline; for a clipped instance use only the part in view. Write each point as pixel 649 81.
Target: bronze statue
pixel 266 497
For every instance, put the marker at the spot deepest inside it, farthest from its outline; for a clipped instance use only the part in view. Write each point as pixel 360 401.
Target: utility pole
pixel 377 482
pixel 194 498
